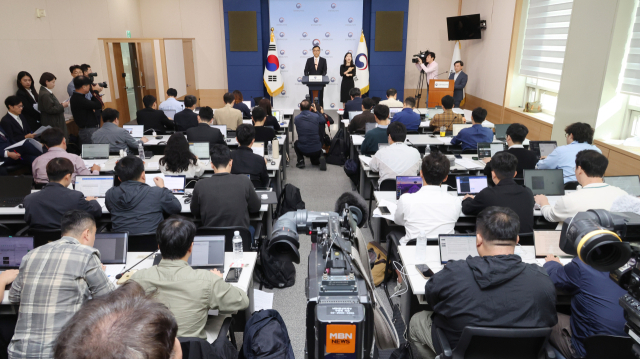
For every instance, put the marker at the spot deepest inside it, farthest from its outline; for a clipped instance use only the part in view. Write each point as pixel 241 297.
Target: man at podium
pixel 316 65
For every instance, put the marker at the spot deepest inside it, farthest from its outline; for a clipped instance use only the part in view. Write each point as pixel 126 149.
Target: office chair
pixel 573 185
pixel 196 348
pixel 143 242
pixel 496 343
pixel 386 185
pixel 40 236
pixel 248 244
pixel 5 231
pixel 608 346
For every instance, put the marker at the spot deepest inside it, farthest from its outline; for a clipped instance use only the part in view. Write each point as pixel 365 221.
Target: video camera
pixel 422 55
pixel 610 242
pixel 101 84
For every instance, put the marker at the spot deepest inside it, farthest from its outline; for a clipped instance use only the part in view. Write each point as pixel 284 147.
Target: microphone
pixel 446 72
pixel 119 275
pixel 357 206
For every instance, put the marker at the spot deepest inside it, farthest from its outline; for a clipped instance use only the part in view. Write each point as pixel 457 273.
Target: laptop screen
pixel 94 186
pixel 113 247
pixel 407 184
pixel 471 184
pixel 353 114
pixel 136 131
pixel 395 109
pixel 630 184
pixel 12 249
pixel 223 129
pixel 457 247
pixel 170 113
pixel 457 127
pixel 486 149
pixel 547 182
pixel 258 148
pixel 15 186
pixel 434 111
pixel 200 149
pixel 548 242
pixel 248 103
pixel 208 251
pixel 276 114
pixel 501 130
pixel 369 126
pixel 174 183
pixel 543 148
pixel 95 151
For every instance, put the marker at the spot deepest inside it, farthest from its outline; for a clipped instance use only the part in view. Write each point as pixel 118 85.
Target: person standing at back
pixel 84 110
pixel 153 119
pixel 29 97
pixel 408 117
pixel 204 132
pixel 431 70
pixel 377 135
pixel 470 137
pixel 397 159
pixel 516 134
pixel 186 118
pixel 171 103
pixel 51 110
pixel 392 99
pixel 228 115
pixel 75 71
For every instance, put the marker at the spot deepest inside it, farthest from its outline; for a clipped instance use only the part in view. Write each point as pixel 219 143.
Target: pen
pixel 17 153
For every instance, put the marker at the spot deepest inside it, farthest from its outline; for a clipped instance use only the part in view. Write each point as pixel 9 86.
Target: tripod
pixel 421 80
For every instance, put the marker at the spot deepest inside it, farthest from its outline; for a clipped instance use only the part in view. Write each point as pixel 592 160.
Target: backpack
pixel 352 169
pixel 290 200
pixel 406 351
pixel 338 150
pixel 275 271
pixel 377 261
pixel 266 336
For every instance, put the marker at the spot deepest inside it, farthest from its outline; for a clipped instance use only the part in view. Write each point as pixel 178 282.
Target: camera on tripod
pixel 101 84
pixel 422 55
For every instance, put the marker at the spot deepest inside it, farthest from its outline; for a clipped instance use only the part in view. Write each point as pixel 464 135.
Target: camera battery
pixel 340 325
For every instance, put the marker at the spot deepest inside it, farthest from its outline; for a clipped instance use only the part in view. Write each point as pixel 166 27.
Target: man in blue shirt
pixel 378 134
pixel 579 137
pixel 470 137
pixel 594 305
pixel 409 118
pixel 308 124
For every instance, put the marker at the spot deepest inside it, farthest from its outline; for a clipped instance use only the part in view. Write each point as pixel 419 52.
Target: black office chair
pixel 496 343
pixel 194 348
pixel 143 242
pixel 386 185
pixel 248 244
pixel 573 185
pixel 5 231
pixel 608 346
pixel 40 236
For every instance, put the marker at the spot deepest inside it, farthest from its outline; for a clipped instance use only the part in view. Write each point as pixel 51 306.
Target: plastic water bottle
pixel 421 248
pixel 237 248
pixel 141 151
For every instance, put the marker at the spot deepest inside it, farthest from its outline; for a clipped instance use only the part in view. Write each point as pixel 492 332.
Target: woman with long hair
pixel 271 120
pixel 178 160
pixel 51 110
pixel 347 71
pixel 29 96
pixel 239 105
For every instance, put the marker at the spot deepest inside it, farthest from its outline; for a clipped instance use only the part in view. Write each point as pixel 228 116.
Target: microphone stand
pixel 119 275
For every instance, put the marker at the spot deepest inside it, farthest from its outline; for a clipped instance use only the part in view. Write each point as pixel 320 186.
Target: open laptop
pixel 200 149
pixel 175 183
pixel 630 184
pixel 94 186
pixel 457 247
pixel 547 182
pixel 434 111
pixel 407 184
pixel 501 131
pixel 394 110
pixel 369 126
pixel 457 127
pixel 258 148
pixel 542 148
pixel 113 247
pixel 486 149
pixel 276 114
pixel 223 129
pixel 94 153
pixel 548 242
pixel 12 249
pixel 170 113
pixel 248 103
pixel 136 131
pixel 13 189
pixel 470 184
pixel 208 253
pixel 353 114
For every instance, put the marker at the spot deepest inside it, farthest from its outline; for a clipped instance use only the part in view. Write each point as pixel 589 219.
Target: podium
pixel 316 86
pixel 439 89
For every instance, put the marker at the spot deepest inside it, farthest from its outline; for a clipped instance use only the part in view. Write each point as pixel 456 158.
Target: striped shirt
pixel 53 283
pixel 447 118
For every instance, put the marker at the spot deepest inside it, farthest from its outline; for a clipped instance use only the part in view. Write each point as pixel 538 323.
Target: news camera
pixel 91 77
pixel 422 56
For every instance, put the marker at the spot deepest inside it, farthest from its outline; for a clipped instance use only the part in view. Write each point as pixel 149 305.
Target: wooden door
pixel 122 102
pixel 189 67
pixel 143 80
pixel 135 72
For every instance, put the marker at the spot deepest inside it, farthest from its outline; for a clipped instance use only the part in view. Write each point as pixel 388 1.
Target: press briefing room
pixel 337 179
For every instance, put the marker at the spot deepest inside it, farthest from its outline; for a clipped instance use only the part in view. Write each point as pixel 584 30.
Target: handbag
pixel 533 107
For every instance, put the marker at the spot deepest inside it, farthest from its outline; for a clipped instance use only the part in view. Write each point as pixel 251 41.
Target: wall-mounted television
pixel 464 27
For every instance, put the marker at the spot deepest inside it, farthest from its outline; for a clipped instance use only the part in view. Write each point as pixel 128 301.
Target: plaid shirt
pixel 447 118
pixel 53 283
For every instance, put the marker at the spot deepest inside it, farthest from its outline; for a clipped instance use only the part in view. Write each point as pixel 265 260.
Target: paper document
pixel 41 130
pixel 391 206
pixel 37 145
pixel 262 300
pixel 467 115
pixel 366 160
pixel 467 163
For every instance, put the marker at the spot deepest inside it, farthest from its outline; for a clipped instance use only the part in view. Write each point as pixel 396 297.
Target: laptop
pixel 457 127
pixel 455 247
pixel 258 148
pixel 486 149
pixel 276 114
pixel 200 149
pixel 470 184
pixel 94 186
pixel 369 126
pixel 548 242
pixel 630 184
pixel 175 183
pixel 136 131
pixel 12 249
pixel 113 247
pixel 13 189
pixel 407 184
pixel 248 103
pixel 501 131
pixel 547 182
pixel 434 111
pixel 95 152
pixel 353 114
pixel 170 113
pixel 394 110
pixel 542 148
pixel 223 129
pixel 208 253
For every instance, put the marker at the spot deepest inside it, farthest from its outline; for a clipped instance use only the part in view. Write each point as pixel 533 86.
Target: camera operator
pixel 309 143
pixel 95 88
pixel 431 69
pixel 84 110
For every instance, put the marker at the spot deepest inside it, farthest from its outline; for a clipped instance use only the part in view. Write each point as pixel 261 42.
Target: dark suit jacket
pixel 507 193
pixel 30 113
pixel 13 130
pixel 155 119
pixel 526 161
pixel 264 134
pixel 359 123
pixel 458 86
pixel 352 105
pixel 4 142
pixel 245 162
pixel 205 133
pixel 185 119
pixel 44 209
pixel 310 67
pixel 273 122
pixel 84 111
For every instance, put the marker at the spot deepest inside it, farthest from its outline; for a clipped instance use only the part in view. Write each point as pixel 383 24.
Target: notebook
pixel 547 182
pixel 113 247
pixel 407 184
pixel 175 183
pixel 94 186
pixel 200 149
pixel 12 249
pixel 470 184
pixel 457 247
pixel 136 131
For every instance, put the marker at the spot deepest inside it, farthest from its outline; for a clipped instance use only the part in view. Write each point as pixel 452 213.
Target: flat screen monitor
pixel 486 149
pixel 113 247
pixel 175 183
pixel 136 131
pixel 12 249
pixel 94 186
pixel 547 182
pixel 223 129
pixel 630 184
pixel 407 184
pixel 465 27
pixel 200 149
pixel 95 151
pixel 470 184
pixel 455 247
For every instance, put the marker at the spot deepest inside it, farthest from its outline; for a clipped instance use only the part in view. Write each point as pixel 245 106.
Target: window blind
pixel 631 77
pixel 545 38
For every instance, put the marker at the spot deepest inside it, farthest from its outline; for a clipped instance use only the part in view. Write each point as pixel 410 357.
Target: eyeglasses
pixel 20 106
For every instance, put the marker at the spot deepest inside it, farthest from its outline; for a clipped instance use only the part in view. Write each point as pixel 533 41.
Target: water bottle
pixel 237 248
pixel 270 150
pixel 141 151
pixel 443 131
pixel 421 248
pixel 275 145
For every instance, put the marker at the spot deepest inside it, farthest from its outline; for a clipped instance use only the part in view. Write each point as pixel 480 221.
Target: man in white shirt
pixel 392 99
pixel 397 159
pixel 592 193
pixel 430 210
pixel 171 103
pixel 431 69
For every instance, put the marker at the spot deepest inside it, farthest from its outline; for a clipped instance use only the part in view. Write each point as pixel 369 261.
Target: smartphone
pixel 384 210
pixel 424 270
pixel 474 158
pixel 234 275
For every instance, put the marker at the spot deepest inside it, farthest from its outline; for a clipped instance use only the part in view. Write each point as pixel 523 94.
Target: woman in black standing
pixel 29 96
pixel 347 70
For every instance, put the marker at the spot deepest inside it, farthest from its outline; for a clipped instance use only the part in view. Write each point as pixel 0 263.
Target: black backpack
pixel 266 336
pixel 275 271
pixel 290 200
pixel 338 151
